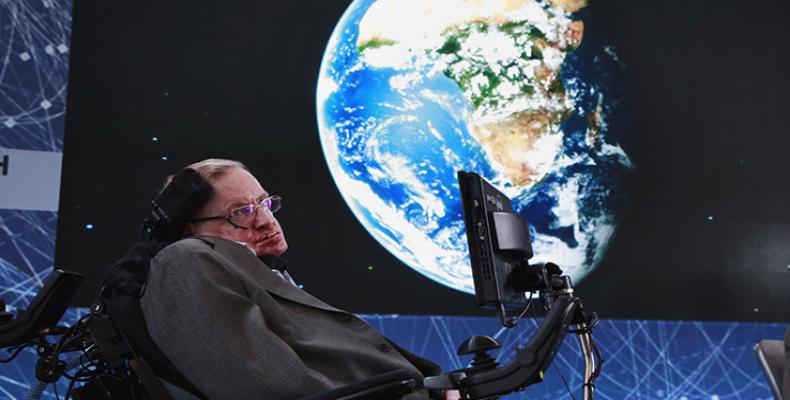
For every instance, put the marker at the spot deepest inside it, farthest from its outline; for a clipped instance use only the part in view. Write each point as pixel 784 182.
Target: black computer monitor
pixel 499 241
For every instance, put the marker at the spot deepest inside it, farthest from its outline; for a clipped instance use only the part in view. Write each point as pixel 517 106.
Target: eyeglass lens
pixel 245 215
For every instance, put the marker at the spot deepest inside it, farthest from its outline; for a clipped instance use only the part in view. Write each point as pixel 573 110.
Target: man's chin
pixel 274 249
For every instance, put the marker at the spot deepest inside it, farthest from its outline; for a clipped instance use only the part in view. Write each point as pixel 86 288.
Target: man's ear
pixel 198 228
pixel 189 229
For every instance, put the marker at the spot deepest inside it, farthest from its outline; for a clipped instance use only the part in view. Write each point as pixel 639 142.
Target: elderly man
pixel 232 321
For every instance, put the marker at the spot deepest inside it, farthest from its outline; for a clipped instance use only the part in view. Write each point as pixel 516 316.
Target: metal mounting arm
pixel 531 361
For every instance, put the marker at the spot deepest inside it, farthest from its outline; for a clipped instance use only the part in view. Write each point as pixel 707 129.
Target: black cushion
pixel 124 283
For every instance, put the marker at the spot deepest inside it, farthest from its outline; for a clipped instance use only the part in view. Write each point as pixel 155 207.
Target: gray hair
pixel 210 168
pixel 214 167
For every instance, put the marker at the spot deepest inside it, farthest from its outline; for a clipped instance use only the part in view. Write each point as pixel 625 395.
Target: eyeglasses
pixel 243 216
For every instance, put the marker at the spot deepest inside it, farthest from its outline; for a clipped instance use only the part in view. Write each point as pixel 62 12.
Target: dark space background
pixel 704 230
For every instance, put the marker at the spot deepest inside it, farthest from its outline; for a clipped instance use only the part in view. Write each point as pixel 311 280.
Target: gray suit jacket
pixel 238 331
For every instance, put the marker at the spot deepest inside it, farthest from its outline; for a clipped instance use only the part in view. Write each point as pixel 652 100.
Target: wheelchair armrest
pixel 391 385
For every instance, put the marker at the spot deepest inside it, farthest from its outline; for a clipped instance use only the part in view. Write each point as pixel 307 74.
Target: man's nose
pixel 263 217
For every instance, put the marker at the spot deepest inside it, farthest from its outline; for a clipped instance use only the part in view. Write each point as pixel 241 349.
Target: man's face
pixel 234 189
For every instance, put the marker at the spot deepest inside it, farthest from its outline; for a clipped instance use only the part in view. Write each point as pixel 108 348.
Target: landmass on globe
pixel 412 91
pixel 507 68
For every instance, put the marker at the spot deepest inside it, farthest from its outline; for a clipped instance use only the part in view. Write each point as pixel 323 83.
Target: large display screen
pixel 642 140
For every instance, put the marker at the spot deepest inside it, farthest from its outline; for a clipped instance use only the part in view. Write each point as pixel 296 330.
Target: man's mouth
pixel 268 236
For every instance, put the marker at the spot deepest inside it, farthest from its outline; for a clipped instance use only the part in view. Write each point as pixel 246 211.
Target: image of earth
pixel 412 91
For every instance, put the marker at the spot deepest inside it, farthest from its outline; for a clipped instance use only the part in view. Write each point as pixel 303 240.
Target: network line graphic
pixel 683 360
pixel 34 59
pixel 34 46
pixel 643 359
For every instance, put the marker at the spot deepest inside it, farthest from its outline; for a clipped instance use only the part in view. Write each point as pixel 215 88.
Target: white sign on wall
pixel 29 180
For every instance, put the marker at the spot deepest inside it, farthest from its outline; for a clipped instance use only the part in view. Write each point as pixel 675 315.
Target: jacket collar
pixel 239 253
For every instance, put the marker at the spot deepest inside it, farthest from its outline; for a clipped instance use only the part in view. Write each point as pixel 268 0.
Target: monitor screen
pixel 499 241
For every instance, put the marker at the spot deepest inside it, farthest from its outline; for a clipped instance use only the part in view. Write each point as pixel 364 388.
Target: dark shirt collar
pixel 275 262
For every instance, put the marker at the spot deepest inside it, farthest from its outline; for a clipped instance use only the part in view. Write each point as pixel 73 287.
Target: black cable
pixel 598 366
pixel 586 329
pixel 55 390
pixel 14 353
pixel 78 378
pixel 598 355
pixel 67 335
pixel 593 320
pixel 69 389
pixel 83 375
pixel 535 311
pixel 515 320
pixel 75 337
pixel 85 362
pixel 71 332
pixel 567 387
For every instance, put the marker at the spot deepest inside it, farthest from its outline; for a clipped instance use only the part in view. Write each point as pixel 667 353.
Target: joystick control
pixel 479 346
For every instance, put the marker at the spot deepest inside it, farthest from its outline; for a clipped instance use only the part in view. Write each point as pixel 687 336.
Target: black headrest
pixel 171 210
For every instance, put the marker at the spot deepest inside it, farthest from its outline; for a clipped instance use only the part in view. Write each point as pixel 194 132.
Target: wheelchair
pixel 118 359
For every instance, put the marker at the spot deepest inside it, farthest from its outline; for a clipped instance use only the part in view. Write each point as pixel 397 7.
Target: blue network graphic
pixel 34 46
pixel 643 359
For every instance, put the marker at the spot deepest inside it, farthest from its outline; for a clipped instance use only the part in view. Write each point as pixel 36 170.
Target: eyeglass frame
pixel 256 207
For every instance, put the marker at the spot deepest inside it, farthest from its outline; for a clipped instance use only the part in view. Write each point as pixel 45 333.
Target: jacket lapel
pixel 242 256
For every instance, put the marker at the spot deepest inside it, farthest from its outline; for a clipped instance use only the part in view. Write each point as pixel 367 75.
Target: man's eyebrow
pixel 241 203
pixel 237 204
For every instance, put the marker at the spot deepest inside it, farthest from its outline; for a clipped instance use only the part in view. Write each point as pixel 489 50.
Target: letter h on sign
pixel 4 165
